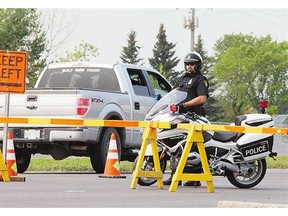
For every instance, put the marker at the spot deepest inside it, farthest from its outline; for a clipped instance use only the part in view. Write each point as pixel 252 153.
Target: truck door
pixel 143 98
pixel 145 85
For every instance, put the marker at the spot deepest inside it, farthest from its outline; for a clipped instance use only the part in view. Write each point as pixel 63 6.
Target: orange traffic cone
pixel 112 166
pixel 11 160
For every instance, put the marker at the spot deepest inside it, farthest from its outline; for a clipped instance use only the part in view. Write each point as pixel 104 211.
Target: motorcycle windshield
pixel 163 105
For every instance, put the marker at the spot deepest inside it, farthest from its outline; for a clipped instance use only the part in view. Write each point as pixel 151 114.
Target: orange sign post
pixel 13 71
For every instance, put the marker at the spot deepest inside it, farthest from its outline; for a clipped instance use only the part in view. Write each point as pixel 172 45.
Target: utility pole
pixel 190 24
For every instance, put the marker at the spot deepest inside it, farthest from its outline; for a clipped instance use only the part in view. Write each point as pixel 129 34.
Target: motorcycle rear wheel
pixel 256 172
pixel 148 165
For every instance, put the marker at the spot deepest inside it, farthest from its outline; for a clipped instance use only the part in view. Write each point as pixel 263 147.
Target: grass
pixel 83 164
pixel 281 162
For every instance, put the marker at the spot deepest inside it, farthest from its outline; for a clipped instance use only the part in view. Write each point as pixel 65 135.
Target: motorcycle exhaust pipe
pixel 228 166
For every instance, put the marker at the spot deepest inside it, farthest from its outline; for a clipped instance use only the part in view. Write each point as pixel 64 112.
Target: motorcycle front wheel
pixel 256 171
pixel 148 165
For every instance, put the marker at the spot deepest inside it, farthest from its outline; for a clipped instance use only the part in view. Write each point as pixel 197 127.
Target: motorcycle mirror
pixel 173 108
pixel 263 103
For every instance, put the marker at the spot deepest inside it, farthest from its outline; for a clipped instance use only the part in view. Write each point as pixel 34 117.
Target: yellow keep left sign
pixel 13 71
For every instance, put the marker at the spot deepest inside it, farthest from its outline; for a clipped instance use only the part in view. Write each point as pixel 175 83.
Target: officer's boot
pixel 193 183
pixel 169 180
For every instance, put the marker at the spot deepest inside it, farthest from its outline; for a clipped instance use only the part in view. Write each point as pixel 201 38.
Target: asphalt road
pixel 87 190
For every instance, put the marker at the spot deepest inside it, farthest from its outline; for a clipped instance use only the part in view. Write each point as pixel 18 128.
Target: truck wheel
pixel 22 161
pixel 98 151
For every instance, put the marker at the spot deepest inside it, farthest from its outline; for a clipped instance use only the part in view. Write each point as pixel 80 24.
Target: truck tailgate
pixel 43 103
pixel 64 103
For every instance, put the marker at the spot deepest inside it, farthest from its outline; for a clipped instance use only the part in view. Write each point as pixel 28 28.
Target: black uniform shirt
pixel 195 85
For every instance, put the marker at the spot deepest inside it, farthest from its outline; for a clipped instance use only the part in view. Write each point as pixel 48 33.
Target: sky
pixel 107 27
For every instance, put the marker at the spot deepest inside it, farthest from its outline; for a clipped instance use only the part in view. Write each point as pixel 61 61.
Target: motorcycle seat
pixel 224 136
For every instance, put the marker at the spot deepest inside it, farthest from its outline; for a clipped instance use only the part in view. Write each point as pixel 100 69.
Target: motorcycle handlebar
pixel 194 116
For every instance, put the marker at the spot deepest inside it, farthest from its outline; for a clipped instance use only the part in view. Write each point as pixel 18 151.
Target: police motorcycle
pixel 238 156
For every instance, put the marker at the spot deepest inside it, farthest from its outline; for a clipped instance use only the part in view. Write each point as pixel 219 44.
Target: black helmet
pixel 193 57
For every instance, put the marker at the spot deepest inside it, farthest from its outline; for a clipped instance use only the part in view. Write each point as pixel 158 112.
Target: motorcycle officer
pixel 196 85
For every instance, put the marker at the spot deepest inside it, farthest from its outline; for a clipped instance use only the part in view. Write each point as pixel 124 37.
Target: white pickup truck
pixel 83 91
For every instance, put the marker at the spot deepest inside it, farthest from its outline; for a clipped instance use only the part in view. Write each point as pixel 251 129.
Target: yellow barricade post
pixel 3 169
pixel 194 136
pixel 150 134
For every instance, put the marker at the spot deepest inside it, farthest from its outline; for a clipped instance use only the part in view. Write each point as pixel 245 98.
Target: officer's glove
pixel 181 108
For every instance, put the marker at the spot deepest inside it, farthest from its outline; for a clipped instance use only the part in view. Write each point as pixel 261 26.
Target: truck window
pixel 82 81
pixel 80 77
pixel 138 82
pixel 56 80
pixel 108 80
pixel 159 84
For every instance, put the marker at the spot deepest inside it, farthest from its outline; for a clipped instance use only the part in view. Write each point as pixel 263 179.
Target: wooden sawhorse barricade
pixel 150 134
pixel 194 136
pixel 3 169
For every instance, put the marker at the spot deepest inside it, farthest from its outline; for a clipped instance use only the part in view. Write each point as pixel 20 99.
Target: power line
pixel 274 14
pixel 261 19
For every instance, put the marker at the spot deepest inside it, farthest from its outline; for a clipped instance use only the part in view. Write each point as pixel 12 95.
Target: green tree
pixel 130 53
pixel 163 55
pixel 83 52
pixel 248 68
pixel 58 25
pixel 213 111
pixel 20 30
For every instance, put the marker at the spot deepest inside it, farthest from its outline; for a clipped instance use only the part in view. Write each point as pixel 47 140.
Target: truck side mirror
pixel 158 97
